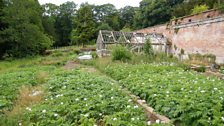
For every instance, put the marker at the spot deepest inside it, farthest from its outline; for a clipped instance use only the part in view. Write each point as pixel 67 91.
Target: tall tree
pixel 64 24
pixel 107 14
pixel 185 7
pixel 153 12
pixel 24 34
pixel 84 29
pixel 50 13
pixel 3 45
pixel 127 16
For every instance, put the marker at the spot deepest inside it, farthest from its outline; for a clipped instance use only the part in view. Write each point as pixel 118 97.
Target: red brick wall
pixel 191 18
pixel 204 39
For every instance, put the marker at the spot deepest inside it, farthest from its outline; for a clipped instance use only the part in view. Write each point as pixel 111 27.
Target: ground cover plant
pixel 27 73
pixel 11 81
pixel 77 98
pixel 186 97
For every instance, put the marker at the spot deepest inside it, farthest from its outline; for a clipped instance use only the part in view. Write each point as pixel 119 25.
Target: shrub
pixel 201 69
pixel 94 55
pixel 77 51
pixel 148 50
pixel 199 9
pixel 120 53
pixel 57 53
pixel 222 70
pixel 185 67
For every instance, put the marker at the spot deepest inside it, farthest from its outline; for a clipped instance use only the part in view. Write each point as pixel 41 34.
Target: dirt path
pixel 71 65
pixel 214 74
pixel 149 111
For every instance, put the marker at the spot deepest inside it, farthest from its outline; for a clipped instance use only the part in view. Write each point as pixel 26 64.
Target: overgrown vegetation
pixel 29 29
pixel 148 50
pixel 202 59
pixel 22 34
pixel 184 96
pixel 199 8
pixel 121 53
pixel 84 99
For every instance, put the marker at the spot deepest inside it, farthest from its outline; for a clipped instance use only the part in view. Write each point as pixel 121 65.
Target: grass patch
pixel 27 97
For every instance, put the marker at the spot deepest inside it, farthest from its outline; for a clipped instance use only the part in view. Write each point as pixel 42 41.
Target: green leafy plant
pixel 200 69
pixel 148 50
pixel 182 51
pixel 199 8
pixel 84 99
pixel 185 97
pixel 121 53
pixel 94 55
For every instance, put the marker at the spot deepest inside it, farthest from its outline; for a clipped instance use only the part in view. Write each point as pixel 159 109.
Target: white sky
pixel 118 3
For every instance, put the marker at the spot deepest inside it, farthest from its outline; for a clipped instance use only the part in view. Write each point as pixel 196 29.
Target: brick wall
pixel 202 35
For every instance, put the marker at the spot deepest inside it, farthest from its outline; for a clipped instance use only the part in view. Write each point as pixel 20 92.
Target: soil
pixel 71 65
pixel 216 74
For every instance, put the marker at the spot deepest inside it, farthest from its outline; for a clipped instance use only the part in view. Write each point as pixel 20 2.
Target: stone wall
pixel 204 34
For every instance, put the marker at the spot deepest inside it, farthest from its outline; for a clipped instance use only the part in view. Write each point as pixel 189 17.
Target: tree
pixel 137 19
pixel 199 9
pixel 185 7
pixel 104 26
pixel 153 12
pixel 50 13
pixel 127 16
pixel 63 23
pixel 24 34
pixel 3 45
pixel 103 11
pixel 84 29
pixel 107 13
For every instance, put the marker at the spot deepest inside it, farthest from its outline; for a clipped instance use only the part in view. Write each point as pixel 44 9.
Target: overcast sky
pixel 117 3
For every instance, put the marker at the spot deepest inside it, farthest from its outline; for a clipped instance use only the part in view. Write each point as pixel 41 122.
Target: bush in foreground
pixel 121 53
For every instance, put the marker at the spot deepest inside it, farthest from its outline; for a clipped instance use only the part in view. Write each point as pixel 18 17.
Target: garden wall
pixel 201 33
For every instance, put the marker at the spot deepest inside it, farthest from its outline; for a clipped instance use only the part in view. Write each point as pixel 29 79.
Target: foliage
pixel 206 58
pixel 148 50
pixel 184 96
pixel 182 51
pixel 84 99
pixel 127 14
pixel 104 26
pixel 3 45
pixel 64 26
pixel 222 70
pixel 64 23
pixel 84 29
pixel 24 34
pixel 184 66
pixel 108 14
pixel 49 19
pixel 200 69
pixel 199 8
pixel 120 53
pixel 94 55
pixel 186 7
pixel 11 81
pixel 154 12
pixel 126 29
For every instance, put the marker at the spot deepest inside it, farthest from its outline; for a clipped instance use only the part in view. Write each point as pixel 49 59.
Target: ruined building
pixel 201 33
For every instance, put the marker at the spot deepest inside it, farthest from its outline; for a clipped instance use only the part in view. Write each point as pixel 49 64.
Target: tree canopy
pixel 29 29
pixel 24 32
